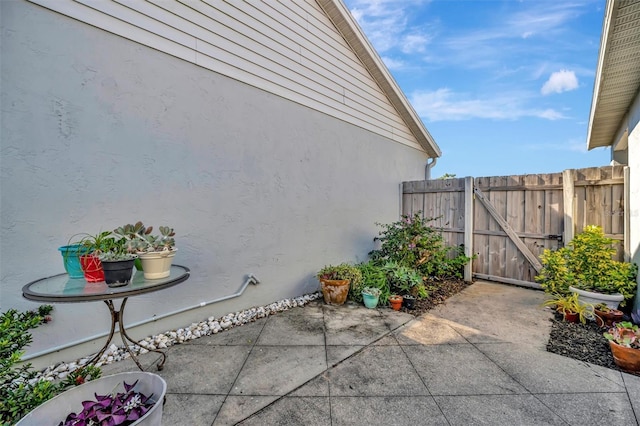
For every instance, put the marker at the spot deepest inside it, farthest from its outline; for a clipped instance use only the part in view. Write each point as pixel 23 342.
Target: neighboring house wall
pixel 98 131
pixel 633 150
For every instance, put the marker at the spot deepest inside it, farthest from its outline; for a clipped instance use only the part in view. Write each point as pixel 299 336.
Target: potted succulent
pixel 396 302
pixel 409 301
pixel 370 296
pixel 156 252
pixel 335 280
pixel 570 307
pixel 586 267
pixel 624 341
pixel 117 264
pixel 120 399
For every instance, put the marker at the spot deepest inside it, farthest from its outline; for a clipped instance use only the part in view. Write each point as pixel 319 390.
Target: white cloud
pixel 444 105
pixel 393 64
pixel 560 81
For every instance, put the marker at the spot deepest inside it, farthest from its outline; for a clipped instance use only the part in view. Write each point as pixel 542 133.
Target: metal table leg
pixel 117 317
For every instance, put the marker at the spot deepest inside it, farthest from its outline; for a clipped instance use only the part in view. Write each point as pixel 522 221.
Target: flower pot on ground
pixel 606 317
pixel 396 302
pixel 370 296
pixel 612 301
pixel 409 301
pixel 71 259
pixel 150 385
pixel 334 282
pixel 156 252
pixel 624 341
pixel 570 307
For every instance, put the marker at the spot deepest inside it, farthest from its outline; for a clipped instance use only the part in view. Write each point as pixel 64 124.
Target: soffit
pixel 618 74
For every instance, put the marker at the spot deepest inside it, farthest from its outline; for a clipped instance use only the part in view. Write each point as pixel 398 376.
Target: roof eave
pixel 354 36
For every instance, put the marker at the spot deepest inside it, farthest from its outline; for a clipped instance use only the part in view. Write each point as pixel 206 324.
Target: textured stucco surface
pixel 98 131
pixel 634 185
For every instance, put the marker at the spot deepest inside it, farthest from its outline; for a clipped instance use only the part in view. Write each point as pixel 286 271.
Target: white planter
pixel 56 409
pixel 611 300
pixel 157 264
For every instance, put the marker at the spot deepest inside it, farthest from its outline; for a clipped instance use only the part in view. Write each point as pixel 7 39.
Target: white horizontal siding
pixel 289 48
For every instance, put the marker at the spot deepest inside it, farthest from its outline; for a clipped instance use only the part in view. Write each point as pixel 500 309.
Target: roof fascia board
pixel 607 29
pixel 355 37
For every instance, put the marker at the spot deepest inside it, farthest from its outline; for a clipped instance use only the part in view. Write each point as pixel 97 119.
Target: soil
pixel 583 342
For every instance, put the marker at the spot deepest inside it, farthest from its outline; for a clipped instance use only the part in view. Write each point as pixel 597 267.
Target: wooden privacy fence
pixel 507 221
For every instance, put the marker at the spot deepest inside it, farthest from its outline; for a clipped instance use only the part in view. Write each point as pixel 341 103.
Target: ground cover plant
pixel 20 391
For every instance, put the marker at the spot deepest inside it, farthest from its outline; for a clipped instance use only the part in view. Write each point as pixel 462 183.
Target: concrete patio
pixel 462 363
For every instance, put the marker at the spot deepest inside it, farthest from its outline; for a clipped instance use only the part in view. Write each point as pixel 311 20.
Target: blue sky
pixel 504 86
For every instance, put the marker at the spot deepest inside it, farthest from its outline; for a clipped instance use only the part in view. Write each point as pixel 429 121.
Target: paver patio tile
pixel 318 386
pixel 591 408
pixel 390 410
pixel 244 335
pixel 335 354
pixel 191 409
pixel 237 408
pixel 459 370
pixel 496 410
pixel 632 384
pixel 538 371
pixel 307 411
pixel 427 332
pixel 376 371
pixel 353 326
pixel 277 370
pixel 293 330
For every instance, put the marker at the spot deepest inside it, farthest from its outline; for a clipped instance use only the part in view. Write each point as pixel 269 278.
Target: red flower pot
pixel 92 268
pixel 396 302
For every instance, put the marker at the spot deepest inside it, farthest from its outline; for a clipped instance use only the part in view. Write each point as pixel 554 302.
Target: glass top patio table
pixel 60 288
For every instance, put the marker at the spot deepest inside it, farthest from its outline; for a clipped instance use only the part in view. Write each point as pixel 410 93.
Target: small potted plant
pixel 335 280
pixel 396 302
pixel 117 264
pixel 624 341
pixel 139 402
pixel 605 316
pixel 92 246
pixel 570 307
pixel 156 252
pixel 370 296
pixel 409 301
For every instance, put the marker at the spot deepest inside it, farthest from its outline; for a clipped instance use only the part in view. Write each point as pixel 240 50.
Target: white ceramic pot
pixel 56 409
pixel 157 264
pixel 611 300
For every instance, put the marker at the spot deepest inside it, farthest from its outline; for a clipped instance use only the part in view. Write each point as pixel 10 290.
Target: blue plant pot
pixel 71 258
pixel 370 301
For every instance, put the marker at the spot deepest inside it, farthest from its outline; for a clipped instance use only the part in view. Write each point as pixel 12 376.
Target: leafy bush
pixel 587 263
pixel 410 242
pixel 372 276
pixel 20 392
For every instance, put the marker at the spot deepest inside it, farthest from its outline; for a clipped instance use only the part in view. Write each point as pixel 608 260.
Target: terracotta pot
pixel 334 291
pixel 606 319
pixel 570 316
pixel 628 359
pixel 396 302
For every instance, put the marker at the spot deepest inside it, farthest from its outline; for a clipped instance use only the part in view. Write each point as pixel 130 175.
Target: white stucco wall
pixel 633 125
pixel 98 131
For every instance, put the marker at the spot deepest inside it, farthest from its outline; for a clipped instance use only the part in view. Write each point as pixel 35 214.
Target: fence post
pixel 627 216
pixel 568 178
pixel 468 227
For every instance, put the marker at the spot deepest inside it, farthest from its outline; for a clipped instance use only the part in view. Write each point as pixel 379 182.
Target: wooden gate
pixel 514 218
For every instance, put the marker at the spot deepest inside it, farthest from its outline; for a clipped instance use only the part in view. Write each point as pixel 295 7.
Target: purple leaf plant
pixel 122 408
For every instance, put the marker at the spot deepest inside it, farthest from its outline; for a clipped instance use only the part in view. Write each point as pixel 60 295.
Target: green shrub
pixel 587 263
pixel 19 391
pixel 372 276
pixel 410 242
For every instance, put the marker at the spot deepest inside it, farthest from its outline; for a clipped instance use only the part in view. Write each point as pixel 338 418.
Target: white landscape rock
pixel 207 327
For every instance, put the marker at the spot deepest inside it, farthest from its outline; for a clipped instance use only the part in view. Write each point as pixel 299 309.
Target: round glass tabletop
pixel 60 288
